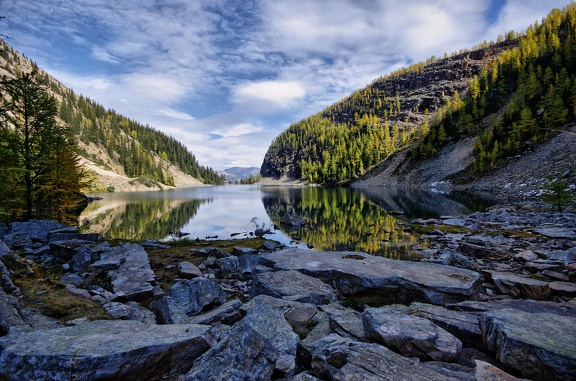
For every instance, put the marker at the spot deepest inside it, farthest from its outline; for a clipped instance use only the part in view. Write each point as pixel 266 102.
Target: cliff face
pixel 402 100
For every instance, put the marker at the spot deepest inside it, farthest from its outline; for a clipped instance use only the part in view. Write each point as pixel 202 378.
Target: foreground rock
pixel 411 336
pixel 539 344
pixel 103 350
pixel 133 276
pixel 337 358
pixel 253 349
pixel 380 279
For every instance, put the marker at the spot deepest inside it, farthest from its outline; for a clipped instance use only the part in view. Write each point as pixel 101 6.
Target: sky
pixel 225 77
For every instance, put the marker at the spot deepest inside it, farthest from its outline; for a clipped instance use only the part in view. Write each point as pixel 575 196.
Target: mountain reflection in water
pixel 337 218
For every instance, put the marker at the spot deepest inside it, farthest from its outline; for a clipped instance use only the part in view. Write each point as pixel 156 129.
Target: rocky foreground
pixel 491 299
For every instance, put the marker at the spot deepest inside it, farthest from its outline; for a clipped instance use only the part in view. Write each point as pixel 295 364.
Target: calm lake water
pixel 337 219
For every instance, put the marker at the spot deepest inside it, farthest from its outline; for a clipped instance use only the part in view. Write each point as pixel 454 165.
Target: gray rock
pixel 134 277
pixel 109 260
pixel 564 289
pixel 244 354
pixel 72 236
pixel 116 310
pixel 103 350
pixel 188 270
pixel 5 281
pixel 556 232
pixel 168 311
pixel 292 220
pixel 139 313
pixel 410 336
pixel 4 249
pixel 197 295
pixel 37 230
pixel 364 276
pixel 293 285
pixel 17 241
pixel 13 314
pixel 463 325
pixel 345 321
pixel 256 346
pixel 80 262
pixel 71 278
pixel 228 265
pixel 519 286
pixel 337 358
pixel 539 345
pixel 566 256
pixel 227 313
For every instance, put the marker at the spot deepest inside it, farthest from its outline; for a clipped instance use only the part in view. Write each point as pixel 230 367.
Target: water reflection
pixel 338 219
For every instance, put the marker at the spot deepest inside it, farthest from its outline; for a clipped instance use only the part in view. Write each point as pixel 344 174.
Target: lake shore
pixel 483 277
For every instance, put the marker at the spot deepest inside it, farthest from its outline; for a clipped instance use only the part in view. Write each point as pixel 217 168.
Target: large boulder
pixel 258 345
pixel 411 336
pixel 380 280
pixel 345 321
pixel 519 286
pixel 462 324
pixel 133 277
pixel 102 350
pixel 293 285
pixel 197 295
pixel 337 358
pixel 540 344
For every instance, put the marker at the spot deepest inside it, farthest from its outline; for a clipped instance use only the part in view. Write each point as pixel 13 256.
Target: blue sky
pixel 227 76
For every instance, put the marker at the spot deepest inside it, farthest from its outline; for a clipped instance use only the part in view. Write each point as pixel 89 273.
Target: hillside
pixel 119 154
pixel 490 119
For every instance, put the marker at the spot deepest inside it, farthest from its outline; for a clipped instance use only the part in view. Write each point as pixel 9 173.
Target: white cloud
pixel 225 77
pixel 274 94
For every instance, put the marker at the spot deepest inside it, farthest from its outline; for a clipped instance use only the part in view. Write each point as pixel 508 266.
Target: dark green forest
pixel 517 101
pixel 141 150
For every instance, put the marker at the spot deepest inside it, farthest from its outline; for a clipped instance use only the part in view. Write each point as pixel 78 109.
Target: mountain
pixel 117 152
pixel 240 173
pixel 454 120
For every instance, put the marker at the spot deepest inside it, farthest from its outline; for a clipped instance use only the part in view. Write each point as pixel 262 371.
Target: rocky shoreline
pixel 492 298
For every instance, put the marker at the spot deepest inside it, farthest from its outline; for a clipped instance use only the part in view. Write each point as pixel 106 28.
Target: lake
pixel 337 218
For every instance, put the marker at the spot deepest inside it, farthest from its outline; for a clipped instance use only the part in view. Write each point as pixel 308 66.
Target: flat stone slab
pixel 556 232
pixel 519 286
pixel 540 345
pixel 361 274
pixel 134 277
pixel 293 285
pixel 102 350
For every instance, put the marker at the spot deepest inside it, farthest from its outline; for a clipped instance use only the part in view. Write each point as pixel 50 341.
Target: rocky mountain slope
pixel 516 178
pixel 117 153
pixel 405 100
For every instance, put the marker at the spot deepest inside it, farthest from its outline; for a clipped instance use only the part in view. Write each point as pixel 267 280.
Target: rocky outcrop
pixel 379 279
pixel 538 344
pixel 303 315
pixel 293 285
pixel 337 358
pixel 103 350
pixel 411 336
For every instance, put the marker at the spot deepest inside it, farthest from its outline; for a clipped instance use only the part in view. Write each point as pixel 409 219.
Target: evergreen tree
pixel 41 162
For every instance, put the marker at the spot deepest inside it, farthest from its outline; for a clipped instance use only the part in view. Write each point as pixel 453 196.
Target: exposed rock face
pixel 260 343
pixel 134 277
pixel 293 285
pixel 411 336
pixel 103 350
pixel 425 89
pixel 540 345
pixel 337 358
pixel 197 294
pixel 363 275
